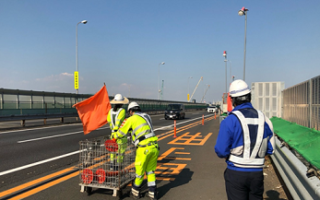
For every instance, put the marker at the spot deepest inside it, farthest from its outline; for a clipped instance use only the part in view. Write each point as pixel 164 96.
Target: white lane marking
pixel 54 136
pixel 38 163
pixel 72 153
pixel 31 129
pixel 66 134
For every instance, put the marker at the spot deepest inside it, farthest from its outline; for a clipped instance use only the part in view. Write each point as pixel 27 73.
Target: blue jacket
pixel 231 136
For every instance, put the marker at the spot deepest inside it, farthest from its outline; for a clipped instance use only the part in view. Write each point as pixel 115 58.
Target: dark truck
pixel 175 111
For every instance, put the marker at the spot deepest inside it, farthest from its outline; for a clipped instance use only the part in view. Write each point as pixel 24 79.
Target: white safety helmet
pixel 238 88
pixel 119 99
pixel 132 105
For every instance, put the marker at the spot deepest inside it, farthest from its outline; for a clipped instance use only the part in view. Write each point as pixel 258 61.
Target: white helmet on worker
pixel 132 105
pixel 119 99
pixel 238 88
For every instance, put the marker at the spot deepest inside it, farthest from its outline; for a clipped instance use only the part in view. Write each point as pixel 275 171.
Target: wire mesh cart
pixel 106 165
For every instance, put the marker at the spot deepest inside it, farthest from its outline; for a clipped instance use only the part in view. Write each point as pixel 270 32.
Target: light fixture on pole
pixel 242 12
pixel 225 61
pixel 162 63
pixel 188 87
pixel 76 73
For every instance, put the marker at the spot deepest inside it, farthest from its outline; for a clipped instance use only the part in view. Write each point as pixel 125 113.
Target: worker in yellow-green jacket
pixel 140 126
pixel 115 117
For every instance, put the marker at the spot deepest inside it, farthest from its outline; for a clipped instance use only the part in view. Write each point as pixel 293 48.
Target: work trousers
pixel 146 162
pixel 244 185
pixel 122 146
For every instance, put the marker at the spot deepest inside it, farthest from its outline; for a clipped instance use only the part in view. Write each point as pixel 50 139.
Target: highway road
pixel 41 162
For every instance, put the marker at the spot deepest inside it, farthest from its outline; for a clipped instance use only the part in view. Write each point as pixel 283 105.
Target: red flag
pixel 93 111
pixel 229 103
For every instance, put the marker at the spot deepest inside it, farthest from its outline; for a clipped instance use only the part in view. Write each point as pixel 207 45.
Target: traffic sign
pixel 76 80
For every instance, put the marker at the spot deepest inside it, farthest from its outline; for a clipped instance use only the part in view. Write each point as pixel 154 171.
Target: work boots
pixel 153 195
pixel 135 193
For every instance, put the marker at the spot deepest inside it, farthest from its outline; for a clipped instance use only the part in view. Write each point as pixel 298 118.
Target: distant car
pixel 175 111
pixel 212 109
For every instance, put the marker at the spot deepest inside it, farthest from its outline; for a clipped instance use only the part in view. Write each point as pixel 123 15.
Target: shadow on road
pixel 183 178
pixel 273 195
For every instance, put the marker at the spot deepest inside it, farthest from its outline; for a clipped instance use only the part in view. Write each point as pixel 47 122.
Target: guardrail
pixel 45 116
pixel 23 118
pixel 27 105
pixel 293 173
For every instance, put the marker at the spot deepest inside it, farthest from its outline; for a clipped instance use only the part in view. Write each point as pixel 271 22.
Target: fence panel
pixel 301 103
pixel 23 102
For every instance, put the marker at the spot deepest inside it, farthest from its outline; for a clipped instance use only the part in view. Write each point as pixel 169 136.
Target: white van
pixel 211 109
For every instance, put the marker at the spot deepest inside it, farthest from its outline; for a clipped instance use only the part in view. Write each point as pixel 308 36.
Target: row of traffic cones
pixel 175 125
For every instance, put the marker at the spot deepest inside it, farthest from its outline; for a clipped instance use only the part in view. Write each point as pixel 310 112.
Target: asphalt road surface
pixel 41 162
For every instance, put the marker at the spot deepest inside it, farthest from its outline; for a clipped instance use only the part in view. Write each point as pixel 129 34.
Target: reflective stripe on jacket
pixel 140 126
pixel 115 118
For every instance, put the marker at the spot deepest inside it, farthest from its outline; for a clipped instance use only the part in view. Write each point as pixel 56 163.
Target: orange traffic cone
pixel 202 119
pixel 174 130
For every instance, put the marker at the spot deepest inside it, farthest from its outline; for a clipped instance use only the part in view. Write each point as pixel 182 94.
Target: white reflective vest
pixel 241 156
pixel 114 117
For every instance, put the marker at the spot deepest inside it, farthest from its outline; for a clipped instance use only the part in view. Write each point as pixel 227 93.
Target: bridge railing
pixel 23 105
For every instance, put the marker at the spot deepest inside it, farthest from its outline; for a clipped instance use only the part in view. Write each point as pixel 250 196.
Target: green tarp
pixel 304 140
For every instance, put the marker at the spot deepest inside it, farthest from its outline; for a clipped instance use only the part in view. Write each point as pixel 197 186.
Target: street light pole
pixel 230 66
pixel 241 12
pixel 162 63
pixel 225 61
pixel 82 22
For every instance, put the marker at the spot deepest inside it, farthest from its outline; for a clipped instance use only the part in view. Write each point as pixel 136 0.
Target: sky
pixel 124 42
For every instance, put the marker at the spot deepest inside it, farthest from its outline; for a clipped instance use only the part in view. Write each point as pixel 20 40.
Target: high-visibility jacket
pixel 140 127
pixel 115 118
pixel 245 138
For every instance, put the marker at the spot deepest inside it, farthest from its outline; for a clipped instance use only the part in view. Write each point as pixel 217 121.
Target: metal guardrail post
pixel 221 118
pixel 23 123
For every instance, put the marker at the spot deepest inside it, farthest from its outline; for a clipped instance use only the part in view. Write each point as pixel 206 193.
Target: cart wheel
pixel 120 194
pixel 89 190
pixel 100 175
pixel 87 176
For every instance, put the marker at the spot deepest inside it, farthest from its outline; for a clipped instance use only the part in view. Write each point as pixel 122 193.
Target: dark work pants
pixel 244 185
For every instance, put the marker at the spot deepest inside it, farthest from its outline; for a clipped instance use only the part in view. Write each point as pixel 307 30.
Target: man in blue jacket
pixel 245 138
